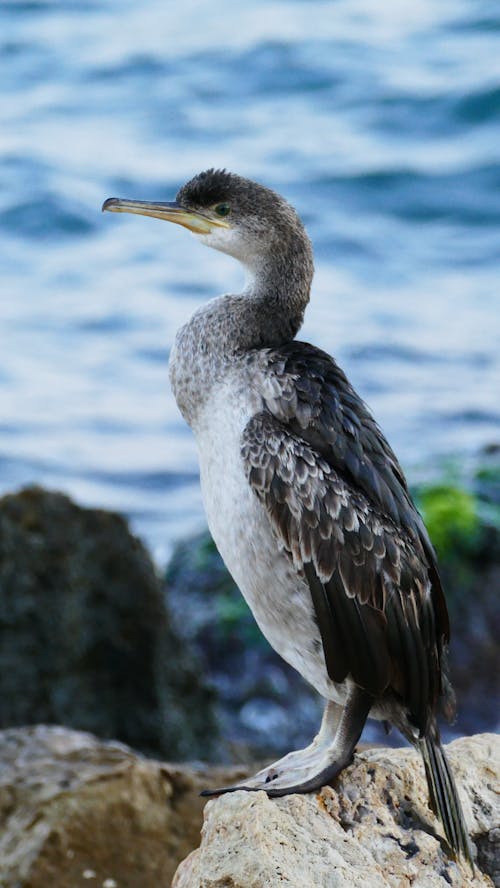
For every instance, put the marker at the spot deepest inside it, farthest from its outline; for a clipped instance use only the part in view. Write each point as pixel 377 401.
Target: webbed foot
pixel 307 770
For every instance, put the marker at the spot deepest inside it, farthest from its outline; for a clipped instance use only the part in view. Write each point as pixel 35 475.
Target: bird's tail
pixel 444 796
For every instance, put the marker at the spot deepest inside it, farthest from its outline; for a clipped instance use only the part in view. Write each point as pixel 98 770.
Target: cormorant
pixel 305 499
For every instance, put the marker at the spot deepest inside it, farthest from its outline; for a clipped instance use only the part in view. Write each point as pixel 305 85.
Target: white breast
pixel 279 599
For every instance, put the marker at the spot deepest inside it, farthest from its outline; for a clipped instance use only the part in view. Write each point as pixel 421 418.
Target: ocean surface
pixel 379 122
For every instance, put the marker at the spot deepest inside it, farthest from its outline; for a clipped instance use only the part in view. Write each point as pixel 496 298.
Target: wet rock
pixel 85 635
pixel 373 830
pixel 77 812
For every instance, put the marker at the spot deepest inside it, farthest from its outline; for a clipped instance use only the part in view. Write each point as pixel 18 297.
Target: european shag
pixel 305 499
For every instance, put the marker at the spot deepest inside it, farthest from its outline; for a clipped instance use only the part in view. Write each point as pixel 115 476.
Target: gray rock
pixel 373 830
pixel 85 636
pixel 77 812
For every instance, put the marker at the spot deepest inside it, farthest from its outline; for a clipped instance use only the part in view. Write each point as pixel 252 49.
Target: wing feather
pixel 368 577
pixel 331 417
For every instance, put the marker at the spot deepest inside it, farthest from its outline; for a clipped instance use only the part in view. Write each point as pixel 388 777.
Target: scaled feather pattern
pixel 338 501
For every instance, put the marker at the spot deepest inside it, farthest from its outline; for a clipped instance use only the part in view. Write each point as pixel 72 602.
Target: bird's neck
pixel 267 314
pixel 273 304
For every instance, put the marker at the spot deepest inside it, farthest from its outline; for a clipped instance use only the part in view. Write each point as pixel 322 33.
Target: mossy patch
pixel 451 516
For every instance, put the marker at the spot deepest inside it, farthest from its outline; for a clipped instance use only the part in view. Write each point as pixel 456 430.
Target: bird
pixel 305 499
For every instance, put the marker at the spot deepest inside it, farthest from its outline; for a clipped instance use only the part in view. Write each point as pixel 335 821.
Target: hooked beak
pixel 170 211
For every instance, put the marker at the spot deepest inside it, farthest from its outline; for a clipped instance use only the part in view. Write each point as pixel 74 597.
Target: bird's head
pixel 229 213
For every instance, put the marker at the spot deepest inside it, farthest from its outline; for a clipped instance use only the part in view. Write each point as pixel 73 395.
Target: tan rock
pixel 374 830
pixel 76 811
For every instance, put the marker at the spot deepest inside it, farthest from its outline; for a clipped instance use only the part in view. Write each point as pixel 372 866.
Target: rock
pixel 76 811
pixel 374 830
pixel 85 635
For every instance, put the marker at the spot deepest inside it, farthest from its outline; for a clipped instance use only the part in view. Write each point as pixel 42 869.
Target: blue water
pixel 380 122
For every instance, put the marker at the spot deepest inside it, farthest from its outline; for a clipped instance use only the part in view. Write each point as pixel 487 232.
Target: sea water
pixel 379 122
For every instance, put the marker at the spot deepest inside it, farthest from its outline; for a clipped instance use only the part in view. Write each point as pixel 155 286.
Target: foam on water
pixel 380 122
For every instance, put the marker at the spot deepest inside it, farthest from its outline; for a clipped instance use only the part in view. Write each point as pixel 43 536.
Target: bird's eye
pixel 222 209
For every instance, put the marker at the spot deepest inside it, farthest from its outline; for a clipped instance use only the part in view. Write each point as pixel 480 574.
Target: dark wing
pixel 339 504
pixel 304 388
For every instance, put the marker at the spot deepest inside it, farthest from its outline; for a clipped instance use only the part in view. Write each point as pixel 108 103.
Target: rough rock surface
pixel 85 636
pixel 76 811
pixel 374 830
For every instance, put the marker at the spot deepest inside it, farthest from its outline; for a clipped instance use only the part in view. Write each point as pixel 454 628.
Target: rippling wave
pixel 381 125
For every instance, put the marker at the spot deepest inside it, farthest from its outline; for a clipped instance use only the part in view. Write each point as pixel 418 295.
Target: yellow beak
pixel 172 212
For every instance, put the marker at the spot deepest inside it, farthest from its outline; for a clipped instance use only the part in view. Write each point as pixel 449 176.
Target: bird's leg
pixel 319 763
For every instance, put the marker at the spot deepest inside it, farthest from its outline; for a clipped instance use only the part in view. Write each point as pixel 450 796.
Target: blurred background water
pixel 379 122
